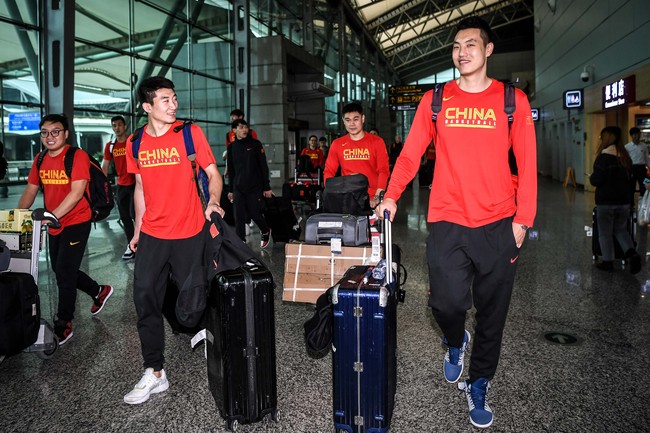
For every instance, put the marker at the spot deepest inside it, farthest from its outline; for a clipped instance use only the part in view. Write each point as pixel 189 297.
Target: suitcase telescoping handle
pixel 388 247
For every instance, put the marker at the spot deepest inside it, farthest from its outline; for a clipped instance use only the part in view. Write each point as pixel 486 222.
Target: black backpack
pixel 101 194
pixel 509 107
pixel 347 195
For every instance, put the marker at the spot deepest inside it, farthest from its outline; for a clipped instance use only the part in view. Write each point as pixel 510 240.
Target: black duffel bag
pixel 347 195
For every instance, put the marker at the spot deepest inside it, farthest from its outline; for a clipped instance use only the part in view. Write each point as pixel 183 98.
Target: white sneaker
pixel 128 254
pixel 149 384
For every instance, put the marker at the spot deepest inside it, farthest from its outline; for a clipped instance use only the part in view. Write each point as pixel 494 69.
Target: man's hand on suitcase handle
pixel 46 217
pixel 386 205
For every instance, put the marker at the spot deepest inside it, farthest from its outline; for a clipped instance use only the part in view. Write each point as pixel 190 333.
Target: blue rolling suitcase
pixel 364 348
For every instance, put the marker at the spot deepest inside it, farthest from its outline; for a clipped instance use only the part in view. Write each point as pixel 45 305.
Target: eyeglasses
pixel 53 133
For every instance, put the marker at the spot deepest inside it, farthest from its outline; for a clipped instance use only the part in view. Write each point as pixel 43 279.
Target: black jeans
pixel 155 259
pixel 639 172
pixel 248 205
pixel 126 209
pixel 66 252
pixel 473 265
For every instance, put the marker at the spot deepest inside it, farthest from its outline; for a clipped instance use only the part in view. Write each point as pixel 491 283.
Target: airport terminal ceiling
pixel 414 35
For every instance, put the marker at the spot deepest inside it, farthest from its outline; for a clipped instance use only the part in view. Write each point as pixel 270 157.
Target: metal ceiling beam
pixel 103 22
pixel 431 47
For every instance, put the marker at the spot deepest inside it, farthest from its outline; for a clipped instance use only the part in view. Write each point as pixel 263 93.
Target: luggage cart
pixel 25 249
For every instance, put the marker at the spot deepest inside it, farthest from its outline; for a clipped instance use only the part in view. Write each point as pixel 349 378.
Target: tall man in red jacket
pixel 359 152
pixel 479 221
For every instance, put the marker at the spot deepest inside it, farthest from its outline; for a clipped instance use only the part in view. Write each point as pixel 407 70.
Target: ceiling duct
pixel 310 90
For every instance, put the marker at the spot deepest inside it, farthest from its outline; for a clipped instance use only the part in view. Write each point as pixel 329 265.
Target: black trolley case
pixel 241 345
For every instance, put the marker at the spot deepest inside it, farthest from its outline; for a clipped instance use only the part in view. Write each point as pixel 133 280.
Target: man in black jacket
pixel 249 181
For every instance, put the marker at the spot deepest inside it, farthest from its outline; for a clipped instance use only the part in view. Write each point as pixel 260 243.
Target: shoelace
pixel 148 380
pixel 453 355
pixel 478 398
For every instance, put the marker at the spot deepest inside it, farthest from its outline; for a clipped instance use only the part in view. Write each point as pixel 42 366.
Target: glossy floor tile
pixel 598 384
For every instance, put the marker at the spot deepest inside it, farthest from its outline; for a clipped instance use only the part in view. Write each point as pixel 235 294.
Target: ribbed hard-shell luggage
pixel 365 348
pixel 618 252
pixel 241 345
pixel 352 230
pixel 20 312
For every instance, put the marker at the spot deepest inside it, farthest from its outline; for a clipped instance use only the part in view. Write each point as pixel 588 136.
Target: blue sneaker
pixel 452 365
pixel 480 414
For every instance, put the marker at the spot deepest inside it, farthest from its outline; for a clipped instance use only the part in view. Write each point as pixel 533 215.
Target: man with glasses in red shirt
pixel 64 197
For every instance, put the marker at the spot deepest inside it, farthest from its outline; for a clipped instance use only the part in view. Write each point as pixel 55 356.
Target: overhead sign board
pixel 620 92
pixel 27 121
pixel 573 99
pixel 407 97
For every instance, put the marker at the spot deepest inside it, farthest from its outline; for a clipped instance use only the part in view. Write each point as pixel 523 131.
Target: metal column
pixel 58 59
pixel 242 56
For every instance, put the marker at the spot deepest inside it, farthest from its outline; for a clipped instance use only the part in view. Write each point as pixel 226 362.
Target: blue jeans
pixel 612 223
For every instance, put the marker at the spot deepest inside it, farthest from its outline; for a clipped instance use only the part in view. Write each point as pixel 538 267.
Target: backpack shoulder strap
pixel 39 160
pixel 69 160
pixel 136 138
pixel 436 100
pixel 187 138
pixel 509 105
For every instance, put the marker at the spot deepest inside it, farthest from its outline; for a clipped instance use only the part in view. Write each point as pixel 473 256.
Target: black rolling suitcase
pixel 365 340
pixel 281 218
pixel 618 252
pixel 20 312
pixel 241 345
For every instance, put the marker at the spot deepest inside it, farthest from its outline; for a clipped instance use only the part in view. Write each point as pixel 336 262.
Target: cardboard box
pixel 311 269
pixel 12 220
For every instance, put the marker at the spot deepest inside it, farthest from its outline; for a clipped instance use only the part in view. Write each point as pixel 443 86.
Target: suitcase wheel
pixel 232 425
pixel 273 416
pixel 47 354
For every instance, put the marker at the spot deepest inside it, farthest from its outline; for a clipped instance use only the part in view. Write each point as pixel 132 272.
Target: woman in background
pixel 614 182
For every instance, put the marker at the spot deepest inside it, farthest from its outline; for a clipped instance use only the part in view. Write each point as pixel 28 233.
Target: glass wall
pixel 20 97
pixel 117 44
pixel 120 42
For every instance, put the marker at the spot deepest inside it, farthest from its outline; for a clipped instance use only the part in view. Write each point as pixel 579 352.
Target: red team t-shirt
pixel 172 205
pixel 367 156
pixel 57 186
pixel 316 155
pixel 118 156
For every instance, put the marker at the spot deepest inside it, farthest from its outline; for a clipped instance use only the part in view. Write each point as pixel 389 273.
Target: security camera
pixel 584 76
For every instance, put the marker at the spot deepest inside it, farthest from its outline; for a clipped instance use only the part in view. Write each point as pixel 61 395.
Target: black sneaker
pixel 128 254
pixel 266 238
pixel 606 265
pixel 63 331
pixel 635 261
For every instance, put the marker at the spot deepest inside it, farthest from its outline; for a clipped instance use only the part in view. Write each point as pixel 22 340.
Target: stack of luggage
pixel 337 237
pixel 358 317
